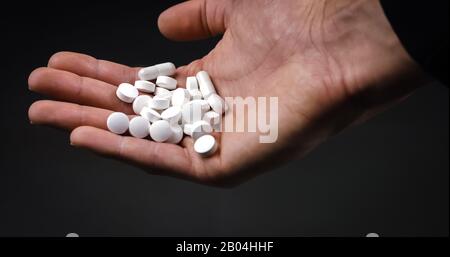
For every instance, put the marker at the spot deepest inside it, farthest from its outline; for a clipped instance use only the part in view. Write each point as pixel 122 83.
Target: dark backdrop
pixel 389 176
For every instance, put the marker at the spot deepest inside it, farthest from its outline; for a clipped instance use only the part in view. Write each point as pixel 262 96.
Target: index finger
pixel 88 66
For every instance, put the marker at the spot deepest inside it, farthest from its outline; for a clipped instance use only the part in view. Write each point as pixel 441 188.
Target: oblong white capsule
pixel 152 72
pixel 205 84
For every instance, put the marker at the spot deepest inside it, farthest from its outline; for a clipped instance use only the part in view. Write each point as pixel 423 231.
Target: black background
pixel 389 176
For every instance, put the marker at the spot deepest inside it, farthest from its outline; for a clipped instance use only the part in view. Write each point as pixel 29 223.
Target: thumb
pixel 194 19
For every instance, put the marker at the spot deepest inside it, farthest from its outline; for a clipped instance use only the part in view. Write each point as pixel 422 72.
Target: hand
pixel 331 63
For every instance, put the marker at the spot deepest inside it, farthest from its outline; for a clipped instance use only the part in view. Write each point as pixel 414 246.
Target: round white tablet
pixel 127 92
pixel 159 103
pixel 172 115
pixel 192 112
pixel 162 91
pixel 150 114
pixel 140 102
pixel 196 94
pixel 192 84
pixel 187 129
pixel 139 127
pixel 206 146
pixel 212 118
pixel 201 128
pixel 166 82
pixel 180 97
pixel 145 86
pixel 160 131
pixel 177 135
pixel 118 123
pixel 217 104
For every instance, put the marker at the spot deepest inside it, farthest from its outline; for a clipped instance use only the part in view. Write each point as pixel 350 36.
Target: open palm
pixel 293 50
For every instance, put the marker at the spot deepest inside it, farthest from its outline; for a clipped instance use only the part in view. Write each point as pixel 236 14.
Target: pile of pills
pixel 166 113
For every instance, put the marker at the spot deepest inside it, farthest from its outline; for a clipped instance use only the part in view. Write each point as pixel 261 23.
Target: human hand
pixel 332 64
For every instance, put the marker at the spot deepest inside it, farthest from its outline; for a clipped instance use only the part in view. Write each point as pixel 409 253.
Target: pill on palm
pixel 166 82
pixel 140 102
pixel 180 97
pixel 206 146
pixel 217 104
pixel 200 128
pixel 159 103
pixel 118 123
pixel 160 131
pixel 192 112
pixel 212 118
pixel 205 84
pixel 150 114
pixel 172 115
pixel 177 134
pixel 162 91
pixel 196 94
pixel 139 127
pixel 152 72
pixel 192 84
pixel 145 86
pixel 127 92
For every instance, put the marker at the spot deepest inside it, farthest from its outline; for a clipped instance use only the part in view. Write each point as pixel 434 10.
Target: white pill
pixel 159 103
pixel 166 82
pixel 166 69
pixel 145 86
pixel 152 72
pixel 192 111
pixel 206 146
pixel 172 115
pixel 196 94
pixel 139 127
pixel 205 83
pixel 192 84
pixel 177 135
pixel 160 131
pixel 118 123
pixel 127 92
pixel 187 128
pixel 205 105
pixel 201 128
pixel 217 104
pixel 162 91
pixel 180 97
pixel 212 118
pixel 150 114
pixel 140 102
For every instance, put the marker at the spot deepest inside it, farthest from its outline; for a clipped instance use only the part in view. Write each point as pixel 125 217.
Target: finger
pixel 166 157
pixel 66 115
pixel 87 66
pixel 66 86
pixel 195 19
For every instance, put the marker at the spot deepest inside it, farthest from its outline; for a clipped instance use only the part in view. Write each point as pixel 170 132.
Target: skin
pixel 333 64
